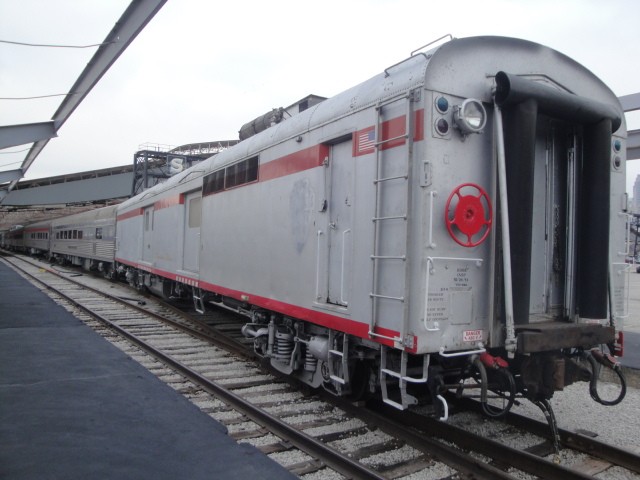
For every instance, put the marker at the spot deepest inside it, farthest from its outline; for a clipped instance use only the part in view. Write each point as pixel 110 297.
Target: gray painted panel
pixel 92 189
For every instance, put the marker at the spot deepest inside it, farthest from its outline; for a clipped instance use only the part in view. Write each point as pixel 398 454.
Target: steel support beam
pixel 126 29
pixel 13 135
pixel 630 102
pixel 10 175
pixel 633 145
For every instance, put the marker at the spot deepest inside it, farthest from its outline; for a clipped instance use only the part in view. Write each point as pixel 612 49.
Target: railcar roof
pixel 464 67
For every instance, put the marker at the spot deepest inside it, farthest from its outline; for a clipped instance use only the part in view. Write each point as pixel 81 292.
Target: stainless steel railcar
pixel 36 238
pixel 13 239
pixel 458 218
pixel 86 239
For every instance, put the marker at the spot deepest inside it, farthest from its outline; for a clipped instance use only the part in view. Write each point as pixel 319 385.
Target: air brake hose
pixel 483 381
pixel 594 357
pixel 500 366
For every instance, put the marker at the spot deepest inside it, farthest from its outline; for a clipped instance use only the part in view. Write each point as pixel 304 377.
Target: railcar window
pixel 148 221
pixel 241 173
pixel 79 234
pixel 212 183
pixel 99 233
pixel 232 176
pixel 74 234
pixel 195 215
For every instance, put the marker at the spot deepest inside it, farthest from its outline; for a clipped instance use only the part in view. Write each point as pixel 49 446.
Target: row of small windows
pixel 232 176
pixel 69 234
pixel 40 235
pixel 76 234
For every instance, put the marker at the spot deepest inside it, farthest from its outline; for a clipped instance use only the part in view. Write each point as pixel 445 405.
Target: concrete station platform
pixel 73 406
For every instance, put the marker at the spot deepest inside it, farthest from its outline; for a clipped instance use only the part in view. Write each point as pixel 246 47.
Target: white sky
pixel 201 69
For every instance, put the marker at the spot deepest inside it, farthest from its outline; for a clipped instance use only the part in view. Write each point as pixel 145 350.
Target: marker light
pixel 617 162
pixel 617 145
pixel 442 126
pixel 442 104
pixel 470 117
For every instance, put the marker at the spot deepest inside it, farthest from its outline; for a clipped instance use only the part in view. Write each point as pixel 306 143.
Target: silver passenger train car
pixel 86 239
pixel 454 224
pixel 36 237
pixel 457 220
pixel 13 238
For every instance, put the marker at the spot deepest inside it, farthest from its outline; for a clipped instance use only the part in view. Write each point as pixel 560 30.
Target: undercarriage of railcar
pixel 359 368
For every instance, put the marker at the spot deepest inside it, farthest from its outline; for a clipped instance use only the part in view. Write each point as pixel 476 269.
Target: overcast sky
pixel 201 69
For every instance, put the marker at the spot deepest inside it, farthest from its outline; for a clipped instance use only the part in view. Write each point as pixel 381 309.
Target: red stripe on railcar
pixel 364 139
pixel 130 214
pixel 169 202
pixel 334 322
pixel 295 162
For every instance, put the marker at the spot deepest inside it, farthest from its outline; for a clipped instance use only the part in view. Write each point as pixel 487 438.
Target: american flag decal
pixel 364 141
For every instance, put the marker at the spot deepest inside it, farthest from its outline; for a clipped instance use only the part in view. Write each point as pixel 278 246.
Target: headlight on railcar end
pixel 470 117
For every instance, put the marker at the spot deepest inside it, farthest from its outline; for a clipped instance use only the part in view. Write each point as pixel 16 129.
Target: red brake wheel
pixel 468 215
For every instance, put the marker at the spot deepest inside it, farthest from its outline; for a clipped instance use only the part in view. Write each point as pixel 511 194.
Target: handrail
pixel 432 42
pixel 480 349
pixel 413 54
pixel 319 233
pixel 432 195
pixel 510 341
pixel 628 229
pixel 342 300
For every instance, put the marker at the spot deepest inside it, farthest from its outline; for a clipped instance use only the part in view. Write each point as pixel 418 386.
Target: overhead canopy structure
pixel 631 103
pixel 130 24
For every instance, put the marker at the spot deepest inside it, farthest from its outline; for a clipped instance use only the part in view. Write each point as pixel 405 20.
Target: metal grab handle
pixel 319 234
pixel 510 340
pixel 628 229
pixel 432 195
pixel 342 300
pixel 462 354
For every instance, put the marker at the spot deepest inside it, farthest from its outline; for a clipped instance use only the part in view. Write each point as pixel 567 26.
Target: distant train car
pixel 37 238
pixel 86 239
pixel 13 239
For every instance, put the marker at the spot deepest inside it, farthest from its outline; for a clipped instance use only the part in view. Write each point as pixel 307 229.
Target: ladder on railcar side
pixel 385 222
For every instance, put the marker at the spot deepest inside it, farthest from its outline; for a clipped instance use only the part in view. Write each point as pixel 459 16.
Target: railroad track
pixel 314 436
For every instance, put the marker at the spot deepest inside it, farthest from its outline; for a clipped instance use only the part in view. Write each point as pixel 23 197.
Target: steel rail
pixel 582 443
pixel 306 443
pixel 221 341
pixel 500 452
pixel 455 458
pixel 525 461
